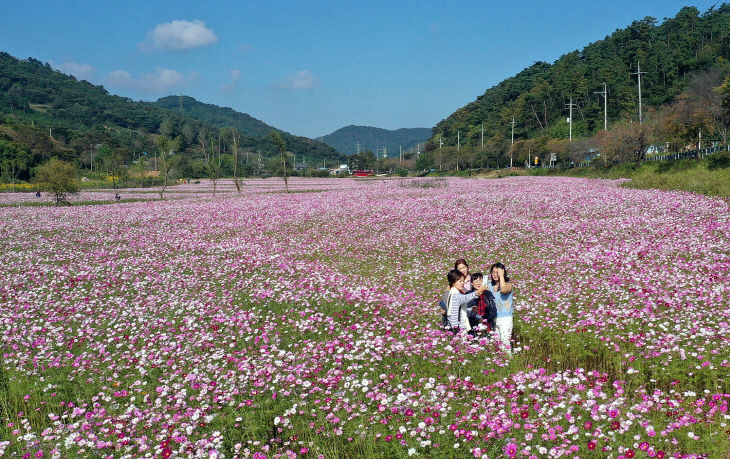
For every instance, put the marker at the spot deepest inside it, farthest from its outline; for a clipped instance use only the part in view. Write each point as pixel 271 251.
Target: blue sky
pixel 311 67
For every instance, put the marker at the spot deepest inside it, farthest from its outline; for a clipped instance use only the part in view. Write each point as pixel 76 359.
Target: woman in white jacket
pixel 457 301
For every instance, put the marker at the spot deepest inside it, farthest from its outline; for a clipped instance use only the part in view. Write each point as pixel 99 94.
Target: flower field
pixel 267 324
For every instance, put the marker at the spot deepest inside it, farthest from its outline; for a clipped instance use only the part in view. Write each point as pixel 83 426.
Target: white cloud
pixel 232 85
pixel 80 71
pixel 178 36
pixel 301 80
pixel 160 81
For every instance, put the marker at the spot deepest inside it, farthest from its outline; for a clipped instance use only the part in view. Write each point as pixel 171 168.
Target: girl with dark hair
pixel 461 265
pixel 456 300
pixel 484 309
pixel 501 288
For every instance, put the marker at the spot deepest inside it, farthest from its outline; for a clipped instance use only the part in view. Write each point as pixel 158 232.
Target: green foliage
pixel 719 160
pixel 317 173
pixel 58 177
pixel 254 133
pixel 670 53
pixel 363 161
pixel 425 161
pixel 698 180
pixel 16 161
pixel 54 114
pixel 111 162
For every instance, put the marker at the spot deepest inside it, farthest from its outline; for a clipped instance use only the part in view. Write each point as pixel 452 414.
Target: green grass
pixel 77 203
pixel 699 179
pixel 709 176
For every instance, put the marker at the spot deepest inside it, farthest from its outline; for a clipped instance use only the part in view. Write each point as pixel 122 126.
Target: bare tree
pixel 279 141
pixel 213 162
pixel 168 159
pixel 10 173
pixel 628 142
pixel 235 138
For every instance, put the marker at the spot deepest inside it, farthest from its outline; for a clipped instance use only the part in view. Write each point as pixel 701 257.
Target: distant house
pixel 343 169
pixel 362 173
pixel 300 166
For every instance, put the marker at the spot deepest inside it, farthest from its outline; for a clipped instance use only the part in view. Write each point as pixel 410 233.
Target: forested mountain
pixel 669 53
pixel 45 113
pixel 345 139
pixel 225 117
pixel 215 115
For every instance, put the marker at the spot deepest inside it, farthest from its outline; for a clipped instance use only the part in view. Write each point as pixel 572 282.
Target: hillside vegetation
pixel 674 54
pixel 45 113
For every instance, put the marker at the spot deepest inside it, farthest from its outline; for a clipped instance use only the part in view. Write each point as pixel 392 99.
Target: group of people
pixel 475 304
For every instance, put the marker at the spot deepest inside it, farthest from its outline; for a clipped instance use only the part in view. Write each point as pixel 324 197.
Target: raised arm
pixel 504 287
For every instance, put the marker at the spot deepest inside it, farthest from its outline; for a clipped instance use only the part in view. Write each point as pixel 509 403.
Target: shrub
pixel 58 177
pixel 720 160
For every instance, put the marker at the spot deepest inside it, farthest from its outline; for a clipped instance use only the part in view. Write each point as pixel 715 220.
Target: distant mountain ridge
pixel 45 113
pixel 226 117
pixel 345 139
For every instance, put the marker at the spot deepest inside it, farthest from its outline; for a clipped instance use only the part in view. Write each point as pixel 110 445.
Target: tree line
pixel 684 62
pixel 45 113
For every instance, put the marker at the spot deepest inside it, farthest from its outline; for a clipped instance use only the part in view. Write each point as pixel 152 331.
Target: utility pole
pixel 441 144
pixel 604 93
pixel 358 147
pixel 91 148
pixel 400 155
pixel 513 142
pixel 638 73
pixel 570 119
pixel 458 142
pixel 483 132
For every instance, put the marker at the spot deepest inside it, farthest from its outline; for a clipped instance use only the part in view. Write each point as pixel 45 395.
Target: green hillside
pixel 670 52
pixel 345 139
pixel 224 117
pixel 215 115
pixel 45 113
